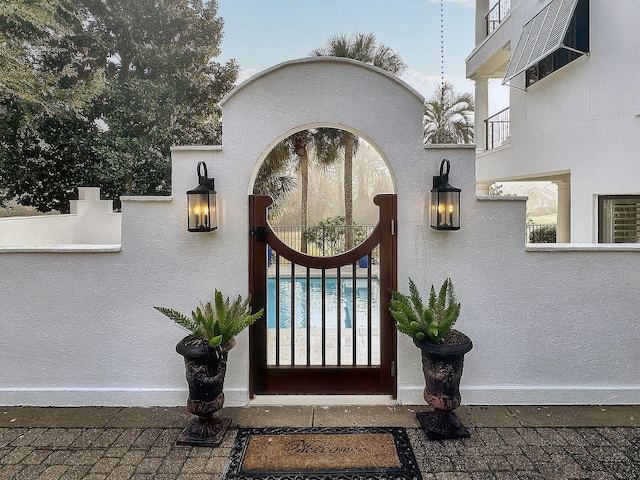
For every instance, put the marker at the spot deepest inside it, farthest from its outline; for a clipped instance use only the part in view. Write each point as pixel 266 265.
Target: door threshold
pixel 322 400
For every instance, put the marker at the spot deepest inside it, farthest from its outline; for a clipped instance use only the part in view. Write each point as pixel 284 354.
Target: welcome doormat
pixel 322 453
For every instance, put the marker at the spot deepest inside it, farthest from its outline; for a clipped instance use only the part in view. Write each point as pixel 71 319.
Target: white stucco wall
pixel 548 326
pixel 583 119
pixel 91 223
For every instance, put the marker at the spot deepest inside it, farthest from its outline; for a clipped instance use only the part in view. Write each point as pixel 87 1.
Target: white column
pixel 482 8
pixel 563 231
pixel 481 111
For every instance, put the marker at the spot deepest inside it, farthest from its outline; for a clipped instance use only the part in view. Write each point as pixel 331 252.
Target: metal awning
pixel 541 36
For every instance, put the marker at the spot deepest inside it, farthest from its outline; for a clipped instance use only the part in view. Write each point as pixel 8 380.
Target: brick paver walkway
pixel 492 452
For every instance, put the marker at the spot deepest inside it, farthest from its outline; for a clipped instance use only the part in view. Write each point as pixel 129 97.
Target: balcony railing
pixel 497 14
pixel 497 129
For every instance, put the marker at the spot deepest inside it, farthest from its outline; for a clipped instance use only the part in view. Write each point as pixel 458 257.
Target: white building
pixel 574 114
pixel 77 317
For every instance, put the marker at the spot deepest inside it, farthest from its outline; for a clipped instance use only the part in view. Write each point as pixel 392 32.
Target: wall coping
pixel 142 198
pixel 450 146
pixel 196 148
pixel 327 60
pixel 502 198
pixel 583 247
pixel 69 248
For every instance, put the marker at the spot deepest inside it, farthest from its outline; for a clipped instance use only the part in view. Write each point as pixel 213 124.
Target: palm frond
pixel 218 321
pixel 432 322
pixel 448 117
pixel 179 319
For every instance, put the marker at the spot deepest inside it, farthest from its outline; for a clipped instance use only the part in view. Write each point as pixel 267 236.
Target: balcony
pixel 497 14
pixel 497 129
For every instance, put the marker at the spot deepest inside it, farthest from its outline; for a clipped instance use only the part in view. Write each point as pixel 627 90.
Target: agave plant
pixel 218 322
pixel 420 323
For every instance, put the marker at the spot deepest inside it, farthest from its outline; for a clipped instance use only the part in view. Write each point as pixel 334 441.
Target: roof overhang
pixel 541 36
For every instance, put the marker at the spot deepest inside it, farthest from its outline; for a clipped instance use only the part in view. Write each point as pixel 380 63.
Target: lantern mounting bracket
pixel 444 175
pixel 203 179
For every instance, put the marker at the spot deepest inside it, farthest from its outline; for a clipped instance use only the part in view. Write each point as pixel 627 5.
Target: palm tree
pixel 364 48
pixel 448 117
pixel 292 153
pixel 274 178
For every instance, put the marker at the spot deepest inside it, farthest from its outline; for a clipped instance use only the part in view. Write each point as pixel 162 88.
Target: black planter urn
pixel 442 367
pixel 205 368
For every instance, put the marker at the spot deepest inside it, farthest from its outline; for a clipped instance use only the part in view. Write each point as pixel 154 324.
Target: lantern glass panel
pixel 445 209
pixel 202 211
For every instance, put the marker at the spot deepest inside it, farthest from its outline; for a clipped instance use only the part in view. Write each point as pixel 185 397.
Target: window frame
pixel 601 225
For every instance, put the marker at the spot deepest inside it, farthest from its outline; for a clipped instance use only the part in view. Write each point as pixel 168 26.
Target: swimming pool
pixel 331 299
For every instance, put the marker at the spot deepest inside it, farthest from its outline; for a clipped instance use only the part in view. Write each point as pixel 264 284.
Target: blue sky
pixel 261 33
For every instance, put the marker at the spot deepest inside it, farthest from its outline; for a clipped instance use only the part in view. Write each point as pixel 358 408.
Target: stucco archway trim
pixel 327 60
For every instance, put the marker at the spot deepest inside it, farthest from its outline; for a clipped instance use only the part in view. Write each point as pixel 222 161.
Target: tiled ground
pixel 506 442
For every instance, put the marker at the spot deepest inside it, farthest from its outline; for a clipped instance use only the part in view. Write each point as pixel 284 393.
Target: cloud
pixel 245 74
pixel 426 84
pixel 464 3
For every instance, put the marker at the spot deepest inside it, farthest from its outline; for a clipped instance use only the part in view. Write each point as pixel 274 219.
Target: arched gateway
pixel 327 329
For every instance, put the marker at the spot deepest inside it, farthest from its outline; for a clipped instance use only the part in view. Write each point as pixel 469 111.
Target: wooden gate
pixel 327 327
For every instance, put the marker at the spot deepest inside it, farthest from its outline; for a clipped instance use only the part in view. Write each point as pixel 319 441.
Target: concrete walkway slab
pixel 578 416
pixel 271 416
pixel 366 416
pixel 72 417
pixel 483 416
pixel 158 417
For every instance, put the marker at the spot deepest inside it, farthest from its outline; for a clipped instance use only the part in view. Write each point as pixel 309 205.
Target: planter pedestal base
pixel 207 432
pixel 442 425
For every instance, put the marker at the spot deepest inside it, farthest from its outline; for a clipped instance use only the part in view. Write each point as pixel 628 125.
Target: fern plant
pixel 218 322
pixel 430 323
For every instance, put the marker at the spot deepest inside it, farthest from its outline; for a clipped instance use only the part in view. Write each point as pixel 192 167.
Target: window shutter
pixel 626 222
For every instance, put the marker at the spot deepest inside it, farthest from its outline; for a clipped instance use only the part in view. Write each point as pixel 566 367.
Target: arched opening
pixel 323 181
pixel 322 263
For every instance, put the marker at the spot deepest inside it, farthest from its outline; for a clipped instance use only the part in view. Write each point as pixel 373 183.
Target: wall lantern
pixel 201 204
pixel 445 201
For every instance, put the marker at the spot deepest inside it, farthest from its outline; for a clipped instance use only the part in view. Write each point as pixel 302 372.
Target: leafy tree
pixel 29 30
pixel 364 48
pixel 161 87
pixel 448 117
pixel 32 93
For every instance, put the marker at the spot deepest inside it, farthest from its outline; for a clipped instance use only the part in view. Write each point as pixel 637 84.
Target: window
pixel 619 219
pixel 556 36
pixel 574 45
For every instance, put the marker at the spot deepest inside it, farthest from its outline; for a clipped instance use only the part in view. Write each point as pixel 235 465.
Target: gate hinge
pixel 393 227
pixel 260 234
pixel 393 369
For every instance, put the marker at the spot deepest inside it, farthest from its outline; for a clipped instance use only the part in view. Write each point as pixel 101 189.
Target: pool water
pixel 331 299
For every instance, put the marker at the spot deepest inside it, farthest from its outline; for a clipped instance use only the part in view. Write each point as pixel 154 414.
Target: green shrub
pixel 544 234
pixel 329 235
pixel 430 323
pixel 218 322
